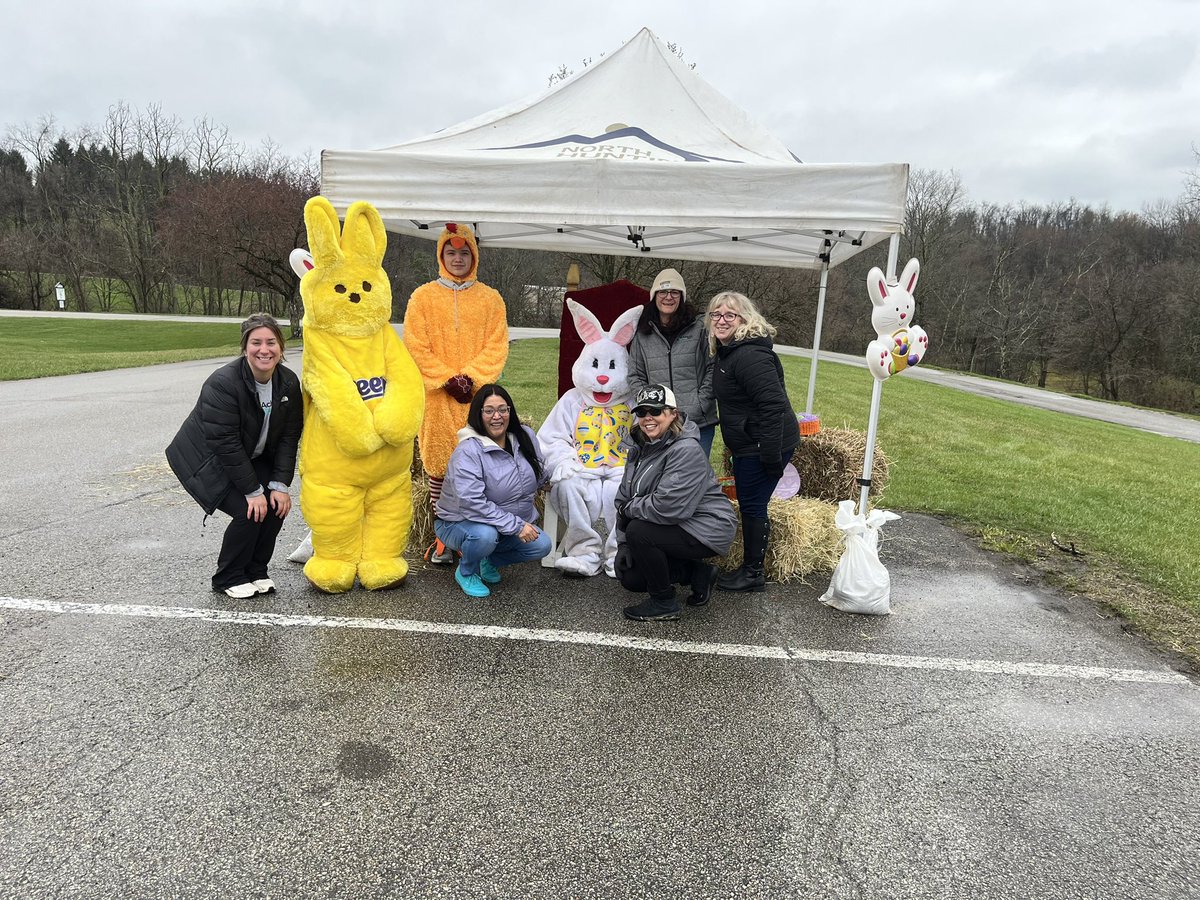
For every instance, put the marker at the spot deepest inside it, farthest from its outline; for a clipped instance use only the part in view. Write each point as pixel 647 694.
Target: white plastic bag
pixel 860 583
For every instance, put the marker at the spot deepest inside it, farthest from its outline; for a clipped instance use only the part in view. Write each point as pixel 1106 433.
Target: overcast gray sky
pixel 1029 100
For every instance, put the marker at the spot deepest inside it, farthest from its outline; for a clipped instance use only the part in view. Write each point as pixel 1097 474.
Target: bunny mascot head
pixel 581 439
pixel 363 404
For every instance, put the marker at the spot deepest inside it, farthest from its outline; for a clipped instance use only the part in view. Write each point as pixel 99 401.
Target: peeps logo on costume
pixel 371 388
pixel 607 146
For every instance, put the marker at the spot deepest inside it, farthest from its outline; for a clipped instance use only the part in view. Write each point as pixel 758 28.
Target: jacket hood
pixel 759 340
pixel 452 230
pixel 467 433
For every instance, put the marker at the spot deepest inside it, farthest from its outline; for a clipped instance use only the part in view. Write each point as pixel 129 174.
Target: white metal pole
pixel 876 397
pixel 816 341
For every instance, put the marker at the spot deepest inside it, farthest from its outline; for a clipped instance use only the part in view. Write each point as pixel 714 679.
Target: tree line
pixel 146 214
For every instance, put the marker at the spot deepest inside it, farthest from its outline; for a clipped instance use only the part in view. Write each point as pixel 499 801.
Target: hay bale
pixel 803 541
pixel 830 464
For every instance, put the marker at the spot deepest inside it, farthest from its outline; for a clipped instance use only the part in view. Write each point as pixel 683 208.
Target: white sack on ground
pixel 860 583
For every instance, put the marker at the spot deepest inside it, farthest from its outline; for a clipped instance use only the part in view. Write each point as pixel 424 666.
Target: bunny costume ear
pixel 624 328
pixel 586 324
pixel 324 231
pixel 908 279
pixel 364 235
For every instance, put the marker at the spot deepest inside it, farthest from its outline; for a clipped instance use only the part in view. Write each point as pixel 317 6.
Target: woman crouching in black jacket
pixel 671 515
pixel 236 452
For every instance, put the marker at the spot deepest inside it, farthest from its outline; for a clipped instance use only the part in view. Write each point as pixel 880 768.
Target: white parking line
pixel 598 639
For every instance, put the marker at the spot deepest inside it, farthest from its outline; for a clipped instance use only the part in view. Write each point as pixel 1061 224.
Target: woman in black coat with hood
pixel 236 452
pixel 757 422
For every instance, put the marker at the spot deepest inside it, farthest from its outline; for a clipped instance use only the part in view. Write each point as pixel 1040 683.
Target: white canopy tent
pixel 634 155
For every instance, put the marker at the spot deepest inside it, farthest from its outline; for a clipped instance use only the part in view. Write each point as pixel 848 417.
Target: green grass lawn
pixel 1115 492
pixel 34 348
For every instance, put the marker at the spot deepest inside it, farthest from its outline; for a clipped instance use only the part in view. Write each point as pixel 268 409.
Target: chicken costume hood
pixel 363 405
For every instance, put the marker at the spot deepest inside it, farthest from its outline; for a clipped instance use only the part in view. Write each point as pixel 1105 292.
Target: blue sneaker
pixel 471 584
pixel 488 572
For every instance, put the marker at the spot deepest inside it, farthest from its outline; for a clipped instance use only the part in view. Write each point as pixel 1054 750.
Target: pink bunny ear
pixel 626 325
pixel 877 286
pixel 586 324
pixel 908 277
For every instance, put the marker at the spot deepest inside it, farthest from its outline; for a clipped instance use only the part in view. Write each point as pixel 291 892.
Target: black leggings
pixel 655 557
pixel 248 545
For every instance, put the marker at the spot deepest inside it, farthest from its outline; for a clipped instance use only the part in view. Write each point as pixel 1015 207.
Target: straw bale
pixel 830 464
pixel 803 541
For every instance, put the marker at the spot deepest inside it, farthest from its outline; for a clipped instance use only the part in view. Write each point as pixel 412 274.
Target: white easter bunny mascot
pixel 899 343
pixel 581 439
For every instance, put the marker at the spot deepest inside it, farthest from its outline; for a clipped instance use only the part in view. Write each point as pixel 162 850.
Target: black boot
pixel 750 577
pixel 703 576
pixel 656 608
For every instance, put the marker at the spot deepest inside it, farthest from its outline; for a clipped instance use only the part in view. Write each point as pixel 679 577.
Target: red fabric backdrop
pixel 606 302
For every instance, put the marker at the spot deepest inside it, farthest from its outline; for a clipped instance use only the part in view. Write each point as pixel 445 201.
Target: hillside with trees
pixel 143 213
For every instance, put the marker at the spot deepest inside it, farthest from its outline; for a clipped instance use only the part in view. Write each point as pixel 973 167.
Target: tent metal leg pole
pixel 816 341
pixel 893 256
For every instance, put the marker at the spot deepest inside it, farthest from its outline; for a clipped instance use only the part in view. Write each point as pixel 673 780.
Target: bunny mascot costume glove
pixel 363 405
pixel 582 439
pixel 456 330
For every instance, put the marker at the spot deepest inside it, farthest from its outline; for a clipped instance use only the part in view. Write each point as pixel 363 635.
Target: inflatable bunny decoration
pixel 581 439
pixel 363 401
pixel 899 343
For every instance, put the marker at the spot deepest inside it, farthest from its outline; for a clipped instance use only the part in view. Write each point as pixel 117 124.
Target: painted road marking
pixel 598 639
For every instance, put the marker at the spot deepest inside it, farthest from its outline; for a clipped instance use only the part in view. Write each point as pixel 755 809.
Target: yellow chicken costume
pixel 454 327
pixel 362 406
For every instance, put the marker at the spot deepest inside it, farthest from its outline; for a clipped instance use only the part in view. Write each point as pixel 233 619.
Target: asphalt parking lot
pixel 990 738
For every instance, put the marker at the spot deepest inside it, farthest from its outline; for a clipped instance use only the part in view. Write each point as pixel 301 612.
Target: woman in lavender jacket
pixel 486 510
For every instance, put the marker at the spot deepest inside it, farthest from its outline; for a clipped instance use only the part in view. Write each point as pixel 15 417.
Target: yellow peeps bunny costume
pixel 363 402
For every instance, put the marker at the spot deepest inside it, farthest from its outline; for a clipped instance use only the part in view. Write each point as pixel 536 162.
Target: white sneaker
pixel 264 586
pixel 241 591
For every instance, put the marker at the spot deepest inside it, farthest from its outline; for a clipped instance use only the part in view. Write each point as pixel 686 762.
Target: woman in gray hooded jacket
pixel 671 348
pixel 671 514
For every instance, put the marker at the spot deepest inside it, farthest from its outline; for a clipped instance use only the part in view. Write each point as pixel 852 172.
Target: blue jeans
pixel 707 433
pixel 476 541
pixel 754 485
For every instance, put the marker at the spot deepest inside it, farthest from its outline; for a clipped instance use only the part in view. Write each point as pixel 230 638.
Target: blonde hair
pixel 753 323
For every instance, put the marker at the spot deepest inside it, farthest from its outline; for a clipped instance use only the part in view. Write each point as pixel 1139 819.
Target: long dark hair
pixel 515 428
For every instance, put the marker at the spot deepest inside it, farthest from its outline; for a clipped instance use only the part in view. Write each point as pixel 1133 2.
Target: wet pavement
pixel 991 738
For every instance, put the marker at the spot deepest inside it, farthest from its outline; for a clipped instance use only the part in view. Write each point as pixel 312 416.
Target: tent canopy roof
pixel 634 155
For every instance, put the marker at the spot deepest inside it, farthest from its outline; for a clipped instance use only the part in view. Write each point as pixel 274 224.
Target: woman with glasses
pixel 671 514
pixel 757 422
pixel 486 510
pixel 671 348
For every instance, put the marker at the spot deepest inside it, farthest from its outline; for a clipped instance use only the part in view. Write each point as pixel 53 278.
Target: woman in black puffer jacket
pixel 236 452
pixel 757 422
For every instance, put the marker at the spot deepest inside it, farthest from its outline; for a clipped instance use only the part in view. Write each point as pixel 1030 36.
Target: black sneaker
pixel 651 610
pixel 703 576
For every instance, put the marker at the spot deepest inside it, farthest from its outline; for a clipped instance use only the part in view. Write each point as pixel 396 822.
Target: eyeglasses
pixel 673 294
pixel 490 412
pixel 724 316
pixel 642 411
